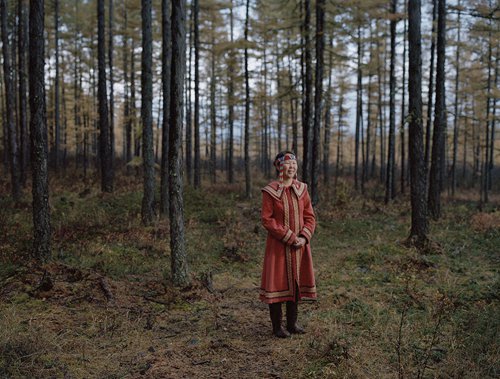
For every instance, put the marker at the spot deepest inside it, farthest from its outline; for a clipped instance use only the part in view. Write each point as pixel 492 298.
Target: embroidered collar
pixel 276 191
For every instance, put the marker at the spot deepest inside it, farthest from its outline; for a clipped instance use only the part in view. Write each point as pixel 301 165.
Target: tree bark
pixel 197 163
pixel 318 100
pixel 438 138
pixel 57 142
pixel 391 150
pixel 147 114
pixel 359 110
pixel 456 116
pixel 431 86
pixel 189 123
pixel 38 129
pixel 403 113
pixel 248 178
pixel 10 106
pixel 307 109
pixel 179 267
pixel 111 83
pixel 166 70
pixel 23 100
pixel 418 175
pixel 231 101
pixel 104 135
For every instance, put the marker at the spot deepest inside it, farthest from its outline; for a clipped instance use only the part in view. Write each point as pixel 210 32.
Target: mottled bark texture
pixel 179 267
pixel 166 58
pixel 38 131
pixel 147 115
pixel 104 132
pixel 438 138
pixel 10 105
pixel 418 174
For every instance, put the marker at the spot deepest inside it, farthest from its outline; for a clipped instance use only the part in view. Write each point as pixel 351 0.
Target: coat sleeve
pixel 278 231
pixel 309 219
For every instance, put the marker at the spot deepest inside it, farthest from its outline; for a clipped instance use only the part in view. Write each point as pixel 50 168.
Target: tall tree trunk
pixel 57 144
pixel 318 100
pixel 391 150
pixel 403 112
pixel 189 123
pixel 231 101
pixel 338 164
pixel 431 86
pixel 133 110
pixel 485 166
pixel 166 70
pixel 456 117
pixel 111 83
pixel 359 110
pixel 491 160
pixel 104 135
pixel 10 106
pixel 127 119
pixel 248 178
pixel 148 198
pixel 418 175
pixel 197 168
pixel 380 72
pixel 279 96
pixel 307 109
pixel 23 73
pixel 438 138
pixel 213 120
pixel 179 267
pixel 328 105
pixel 38 129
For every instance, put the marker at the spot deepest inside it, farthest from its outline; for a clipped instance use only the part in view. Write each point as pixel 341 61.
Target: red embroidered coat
pixel 287 213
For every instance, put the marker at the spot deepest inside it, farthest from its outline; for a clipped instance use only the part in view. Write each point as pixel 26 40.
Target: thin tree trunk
pixel 438 138
pixel 189 123
pixel 197 168
pixel 456 117
pixel 485 165
pixel 57 141
pixel 147 114
pixel 231 101
pixel 318 100
pixel 431 86
pixel 418 175
pixel 491 160
pixel 166 70
pixel 403 112
pixel 23 73
pixel 390 182
pixel 127 119
pixel 179 266
pixel 10 106
pixel 328 105
pixel 38 129
pixel 306 127
pixel 104 135
pixel 248 178
pixel 359 109
pixel 213 120
pixel 111 83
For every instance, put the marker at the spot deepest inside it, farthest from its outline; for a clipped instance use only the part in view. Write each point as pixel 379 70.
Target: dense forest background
pixel 136 136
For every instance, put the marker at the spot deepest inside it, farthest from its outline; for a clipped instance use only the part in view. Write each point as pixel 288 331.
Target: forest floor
pixel 103 307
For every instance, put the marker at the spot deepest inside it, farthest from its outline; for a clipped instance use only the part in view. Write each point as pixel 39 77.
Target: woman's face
pixel 289 169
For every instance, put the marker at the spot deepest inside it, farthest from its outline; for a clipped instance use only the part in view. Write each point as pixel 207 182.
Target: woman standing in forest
pixel 287 274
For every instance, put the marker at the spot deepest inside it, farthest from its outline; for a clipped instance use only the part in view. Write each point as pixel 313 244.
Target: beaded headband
pixel 278 163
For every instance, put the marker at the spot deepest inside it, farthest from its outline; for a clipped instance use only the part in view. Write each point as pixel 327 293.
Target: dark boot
pixel 276 315
pixel 291 318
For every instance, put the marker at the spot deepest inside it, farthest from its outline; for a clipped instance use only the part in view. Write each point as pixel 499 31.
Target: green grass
pixel 369 284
